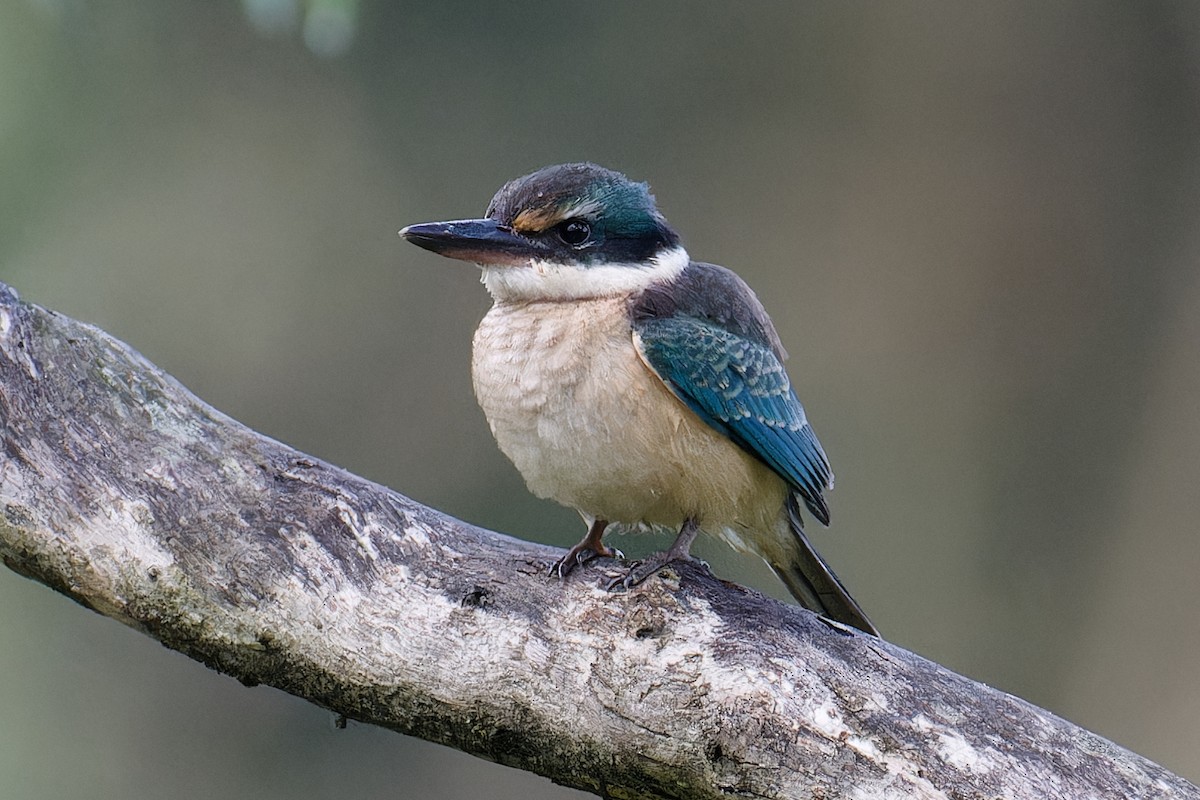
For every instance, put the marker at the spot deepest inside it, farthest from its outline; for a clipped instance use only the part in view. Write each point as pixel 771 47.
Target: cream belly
pixel 589 425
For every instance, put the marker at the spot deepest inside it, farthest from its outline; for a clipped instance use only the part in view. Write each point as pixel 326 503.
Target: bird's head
pixel 564 232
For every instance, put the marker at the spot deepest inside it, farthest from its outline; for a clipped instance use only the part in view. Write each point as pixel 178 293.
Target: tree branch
pixel 123 491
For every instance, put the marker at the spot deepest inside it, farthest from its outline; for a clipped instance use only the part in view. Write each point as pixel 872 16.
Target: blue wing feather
pixel 739 387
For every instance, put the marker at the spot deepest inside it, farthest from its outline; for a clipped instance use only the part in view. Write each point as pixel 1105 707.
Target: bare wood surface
pixel 125 492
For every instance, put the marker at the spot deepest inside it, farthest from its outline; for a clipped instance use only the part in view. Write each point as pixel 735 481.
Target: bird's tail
pixel 814 584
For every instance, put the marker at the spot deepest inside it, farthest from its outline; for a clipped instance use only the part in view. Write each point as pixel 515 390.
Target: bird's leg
pixel 590 547
pixel 680 550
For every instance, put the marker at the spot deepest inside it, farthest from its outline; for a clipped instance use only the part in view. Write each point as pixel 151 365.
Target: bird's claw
pixel 649 566
pixel 578 556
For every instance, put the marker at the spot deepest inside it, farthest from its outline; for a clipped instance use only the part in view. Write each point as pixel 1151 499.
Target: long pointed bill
pixel 482 241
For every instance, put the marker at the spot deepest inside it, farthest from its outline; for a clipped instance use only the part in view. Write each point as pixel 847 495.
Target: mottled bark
pixel 123 491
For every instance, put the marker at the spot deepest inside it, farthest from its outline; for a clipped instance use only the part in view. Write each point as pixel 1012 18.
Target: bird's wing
pixel 739 387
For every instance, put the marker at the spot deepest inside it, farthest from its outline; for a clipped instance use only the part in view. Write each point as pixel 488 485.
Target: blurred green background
pixel 975 226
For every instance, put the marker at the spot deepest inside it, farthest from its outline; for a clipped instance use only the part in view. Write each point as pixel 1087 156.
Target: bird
pixel 637 386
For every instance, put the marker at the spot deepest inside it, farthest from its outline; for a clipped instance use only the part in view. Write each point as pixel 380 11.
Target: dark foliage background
pixel 975 226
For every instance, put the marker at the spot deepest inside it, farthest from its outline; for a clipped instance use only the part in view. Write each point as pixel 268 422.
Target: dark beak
pixel 482 241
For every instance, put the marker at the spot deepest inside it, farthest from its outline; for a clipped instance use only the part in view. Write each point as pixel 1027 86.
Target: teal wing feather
pixel 740 388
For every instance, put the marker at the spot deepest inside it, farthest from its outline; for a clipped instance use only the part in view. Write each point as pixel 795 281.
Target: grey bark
pixel 125 492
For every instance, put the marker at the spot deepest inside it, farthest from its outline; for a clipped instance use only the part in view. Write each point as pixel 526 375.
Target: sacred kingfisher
pixel 637 386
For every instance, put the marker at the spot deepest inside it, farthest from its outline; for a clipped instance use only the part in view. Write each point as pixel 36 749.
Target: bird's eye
pixel 574 232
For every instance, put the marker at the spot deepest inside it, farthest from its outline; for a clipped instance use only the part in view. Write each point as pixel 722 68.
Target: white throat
pixel 548 280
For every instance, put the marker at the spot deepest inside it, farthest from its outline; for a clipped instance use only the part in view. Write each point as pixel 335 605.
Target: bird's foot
pixel 680 550
pixel 649 566
pixel 592 546
pixel 579 555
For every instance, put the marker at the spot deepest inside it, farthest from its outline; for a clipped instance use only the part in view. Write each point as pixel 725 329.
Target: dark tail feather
pixel 816 587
